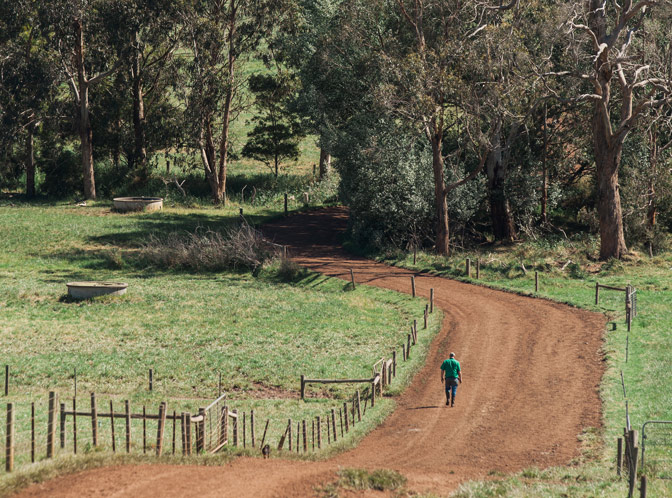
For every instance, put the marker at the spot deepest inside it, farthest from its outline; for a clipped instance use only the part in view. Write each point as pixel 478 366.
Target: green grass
pixel 647 373
pixel 259 333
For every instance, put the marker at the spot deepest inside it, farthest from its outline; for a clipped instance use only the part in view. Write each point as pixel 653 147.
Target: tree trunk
pixel 325 164
pixel 208 156
pixel 544 168
pixel 84 123
pixel 652 208
pixel 140 149
pixel 500 213
pixel 612 240
pixel 30 162
pixel 442 233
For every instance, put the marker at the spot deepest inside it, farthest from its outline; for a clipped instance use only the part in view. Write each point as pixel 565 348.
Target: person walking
pixel 451 371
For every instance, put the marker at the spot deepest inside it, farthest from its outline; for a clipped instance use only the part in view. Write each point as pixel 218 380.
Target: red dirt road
pixel 531 369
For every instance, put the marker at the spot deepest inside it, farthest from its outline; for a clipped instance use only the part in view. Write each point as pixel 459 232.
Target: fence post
pixel 201 425
pixel 359 409
pixel 478 269
pixel 345 411
pixel 94 420
pixel 263 438
pixel 394 363
pixel 187 419
pixel 114 443
pixel 151 379
pixel 286 205
pixel 431 300
pixel 74 425
pixel 32 432
pixel 224 435
pixel 425 314
pixel 305 442
pixel 183 424
pixel 373 393
pixel 642 488
pixel 127 407
pixel 468 267
pixel 7 381
pixel 303 387
pixel 62 425
pixel 160 429
pixel 597 293
pixel 235 428
pixel 333 426
pixel 536 281
pixel 51 425
pixel 413 286
pixel 252 427
pixel 352 278
pixel 9 440
pixel 633 472
pixel 619 456
pixel 408 346
pixel 403 351
pixel 244 431
pixel 319 432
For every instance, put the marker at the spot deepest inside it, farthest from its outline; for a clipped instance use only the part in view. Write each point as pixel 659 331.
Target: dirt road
pixel 532 369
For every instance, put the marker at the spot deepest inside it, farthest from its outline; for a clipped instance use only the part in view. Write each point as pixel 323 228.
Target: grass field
pixel 647 372
pixel 261 334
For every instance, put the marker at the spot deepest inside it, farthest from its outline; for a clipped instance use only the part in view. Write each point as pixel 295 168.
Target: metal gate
pixel 657 448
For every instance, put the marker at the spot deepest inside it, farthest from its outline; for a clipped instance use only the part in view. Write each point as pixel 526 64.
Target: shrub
pixel 239 248
pixel 62 175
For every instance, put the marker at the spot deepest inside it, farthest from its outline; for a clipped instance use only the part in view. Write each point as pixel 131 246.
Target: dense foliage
pixel 449 122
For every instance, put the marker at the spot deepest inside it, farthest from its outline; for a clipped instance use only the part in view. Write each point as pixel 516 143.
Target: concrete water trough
pixel 138 203
pixel 87 290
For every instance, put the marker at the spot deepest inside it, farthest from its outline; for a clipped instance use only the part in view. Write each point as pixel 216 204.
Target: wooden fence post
pixel 263 438
pixel 298 436
pixel 468 267
pixel 286 212
pixel 413 286
pixel 359 410
pixel 373 393
pixel 51 425
pixel 597 293
pixel 313 439
pixel 352 278
pixel 9 439
pixel 425 314
pixel 183 424
pixel 151 379
pixel 62 431
pixel 74 425
pixel 244 431
pixel 174 424
pixel 94 420
pixel 642 488
pixel 187 419
pixel 431 300
pixel 303 387
pixel 144 429
pixel 408 346
pixel 478 269
pixel 403 351
pixel 340 418
pixel 619 456
pixel 252 427
pixel 333 426
pixel 235 428
pixel 328 429
pixel 305 443
pixel 160 429
pixel 345 411
pixel 7 381
pixel 127 409
pixel 289 432
pixel 394 363
pixel 32 432
pixel 114 442
pixel 536 281
pixel 319 432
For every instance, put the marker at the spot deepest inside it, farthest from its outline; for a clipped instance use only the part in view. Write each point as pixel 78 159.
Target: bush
pixel 239 248
pixel 62 174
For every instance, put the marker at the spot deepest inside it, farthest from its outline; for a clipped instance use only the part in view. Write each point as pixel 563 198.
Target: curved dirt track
pixel 531 368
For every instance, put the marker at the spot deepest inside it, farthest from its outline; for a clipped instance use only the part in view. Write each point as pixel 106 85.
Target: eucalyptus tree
pixel 222 36
pixel 77 37
pixel 616 51
pixel 27 82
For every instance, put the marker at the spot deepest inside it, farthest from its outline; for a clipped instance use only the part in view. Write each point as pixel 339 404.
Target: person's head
pixel 452 355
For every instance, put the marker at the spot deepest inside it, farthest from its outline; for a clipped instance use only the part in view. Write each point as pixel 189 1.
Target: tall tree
pixel 617 57
pixel 77 28
pixel 223 35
